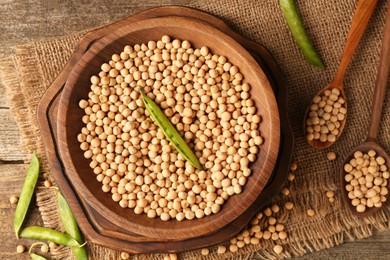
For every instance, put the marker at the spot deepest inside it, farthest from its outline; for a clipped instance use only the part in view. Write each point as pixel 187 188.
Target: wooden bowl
pixel 70 124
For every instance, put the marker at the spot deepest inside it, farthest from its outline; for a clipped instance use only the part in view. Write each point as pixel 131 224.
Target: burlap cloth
pixel 33 68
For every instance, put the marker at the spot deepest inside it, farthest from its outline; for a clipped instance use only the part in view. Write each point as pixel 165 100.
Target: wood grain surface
pixel 24 21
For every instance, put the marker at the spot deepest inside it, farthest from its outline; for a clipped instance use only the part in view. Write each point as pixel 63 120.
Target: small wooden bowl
pixel 70 124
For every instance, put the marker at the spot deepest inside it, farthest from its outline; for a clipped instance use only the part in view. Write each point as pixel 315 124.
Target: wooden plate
pixel 77 87
pixel 101 231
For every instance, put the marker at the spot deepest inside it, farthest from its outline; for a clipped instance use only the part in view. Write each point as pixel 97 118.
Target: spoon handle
pixel 381 82
pixel 363 12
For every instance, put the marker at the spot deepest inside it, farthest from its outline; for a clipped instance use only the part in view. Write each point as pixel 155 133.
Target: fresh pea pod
pixel 71 227
pixel 170 131
pixel 298 31
pixel 36 257
pixel 33 255
pixel 26 194
pixel 49 234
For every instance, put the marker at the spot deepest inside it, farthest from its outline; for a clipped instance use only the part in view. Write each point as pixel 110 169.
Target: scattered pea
pixel 20 249
pixel 233 248
pixel 278 249
pixel 290 176
pixel 331 156
pixel 289 205
pixel 293 166
pixel 310 212
pixel 285 191
pixel 52 245
pixel 221 249
pixel 47 184
pixel 13 199
pixel 44 248
pixel 267 212
pixel 205 251
pixel 125 255
pixel 282 235
pixel 275 208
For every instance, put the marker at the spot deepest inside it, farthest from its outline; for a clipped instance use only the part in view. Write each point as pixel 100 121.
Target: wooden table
pixel 25 21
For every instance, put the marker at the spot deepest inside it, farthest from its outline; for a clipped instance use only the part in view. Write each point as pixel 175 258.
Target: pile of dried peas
pixel 327 112
pixel 207 100
pixel 265 225
pixel 366 176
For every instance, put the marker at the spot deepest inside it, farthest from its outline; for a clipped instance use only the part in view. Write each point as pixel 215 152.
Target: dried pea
pixel 20 249
pixel 13 199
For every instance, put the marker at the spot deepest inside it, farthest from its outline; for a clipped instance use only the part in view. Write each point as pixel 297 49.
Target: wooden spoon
pixel 377 103
pixel 363 12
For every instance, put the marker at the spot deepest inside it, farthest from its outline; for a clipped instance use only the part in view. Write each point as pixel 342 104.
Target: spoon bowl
pixel 364 147
pixel 316 143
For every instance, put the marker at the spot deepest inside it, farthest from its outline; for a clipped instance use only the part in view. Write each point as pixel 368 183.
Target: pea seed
pixel 125 255
pixel 331 156
pixel 278 249
pixel 20 249
pixel 44 248
pixel 289 205
pixel 205 251
pixel 221 249
pixel 330 194
pixel 310 212
pixel 13 199
pixel 47 184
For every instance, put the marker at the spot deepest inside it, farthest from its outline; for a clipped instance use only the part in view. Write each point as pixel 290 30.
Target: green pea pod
pixel 49 234
pixel 33 255
pixel 26 194
pixel 36 257
pixel 71 227
pixel 170 131
pixel 298 31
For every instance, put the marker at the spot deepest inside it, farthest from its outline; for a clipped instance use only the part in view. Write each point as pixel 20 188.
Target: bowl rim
pixel 217 220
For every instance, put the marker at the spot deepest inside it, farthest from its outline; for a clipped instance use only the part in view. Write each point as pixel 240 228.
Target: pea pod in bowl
pixel 170 131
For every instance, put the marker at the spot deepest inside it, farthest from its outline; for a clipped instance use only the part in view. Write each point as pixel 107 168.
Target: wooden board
pixel 107 234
